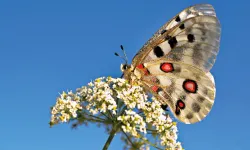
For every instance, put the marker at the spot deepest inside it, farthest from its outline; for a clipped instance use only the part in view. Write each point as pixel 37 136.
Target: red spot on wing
pixel 167 67
pixel 146 72
pixel 180 104
pixel 140 66
pixel 190 86
pixel 155 88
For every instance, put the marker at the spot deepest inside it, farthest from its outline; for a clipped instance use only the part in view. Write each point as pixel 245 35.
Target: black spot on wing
pixel 177 111
pixel 182 26
pixel 158 51
pixel 163 31
pixel 178 19
pixel 190 38
pixel 172 42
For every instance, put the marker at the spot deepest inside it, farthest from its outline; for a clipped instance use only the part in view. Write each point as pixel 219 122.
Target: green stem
pixel 96 117
pixel 104 115
pixel 111 136
pixel 128 139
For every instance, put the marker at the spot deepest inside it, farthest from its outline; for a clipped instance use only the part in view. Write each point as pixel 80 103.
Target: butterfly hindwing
pixel 188 91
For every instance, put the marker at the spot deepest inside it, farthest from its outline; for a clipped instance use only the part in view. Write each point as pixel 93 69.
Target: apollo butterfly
pixel 174 64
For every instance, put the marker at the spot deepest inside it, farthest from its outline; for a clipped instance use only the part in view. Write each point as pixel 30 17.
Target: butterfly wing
pixel 193 36
pixel 187 90
pixel 174 65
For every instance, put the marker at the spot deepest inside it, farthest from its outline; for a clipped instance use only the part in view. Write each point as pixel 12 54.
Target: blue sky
pixel 50 46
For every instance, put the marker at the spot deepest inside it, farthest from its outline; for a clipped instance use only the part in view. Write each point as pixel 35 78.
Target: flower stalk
pixel 110 138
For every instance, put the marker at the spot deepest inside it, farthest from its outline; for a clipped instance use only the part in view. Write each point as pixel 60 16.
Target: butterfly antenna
pixel 126 58
pixel 116 54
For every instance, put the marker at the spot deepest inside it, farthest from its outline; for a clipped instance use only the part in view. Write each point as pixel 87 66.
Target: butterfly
pixel 174 64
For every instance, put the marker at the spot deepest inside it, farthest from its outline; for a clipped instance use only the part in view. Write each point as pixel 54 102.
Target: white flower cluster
pixel 66 108
pixel 155 116
pixel 128 105
pixel 131 120
pixel 99 96
pixel 167 129
pixel 132 96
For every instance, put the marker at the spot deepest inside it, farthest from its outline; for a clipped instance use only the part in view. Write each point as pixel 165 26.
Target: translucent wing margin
pixel 190 12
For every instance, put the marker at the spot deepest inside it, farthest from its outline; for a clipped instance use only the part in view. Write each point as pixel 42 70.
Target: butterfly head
pixel 128 74
pixel 126 69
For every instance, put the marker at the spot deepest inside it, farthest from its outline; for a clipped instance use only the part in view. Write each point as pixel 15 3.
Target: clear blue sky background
pixel 47 46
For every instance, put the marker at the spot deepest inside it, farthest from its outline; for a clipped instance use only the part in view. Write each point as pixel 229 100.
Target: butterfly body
pixel 174 64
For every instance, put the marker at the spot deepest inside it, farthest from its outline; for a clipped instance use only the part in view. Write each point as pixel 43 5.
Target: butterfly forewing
pixel 199 28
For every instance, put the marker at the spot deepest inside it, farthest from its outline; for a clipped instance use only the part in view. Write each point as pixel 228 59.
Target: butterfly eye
pixel 124 67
